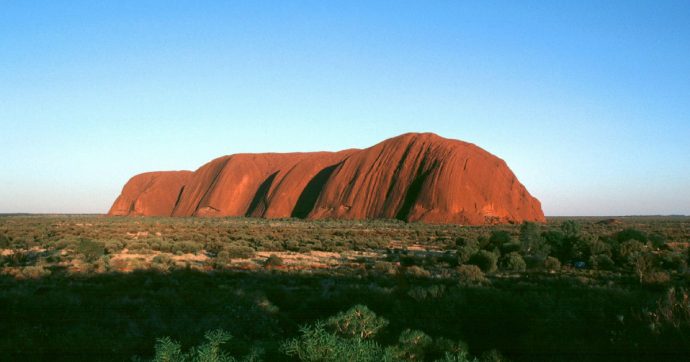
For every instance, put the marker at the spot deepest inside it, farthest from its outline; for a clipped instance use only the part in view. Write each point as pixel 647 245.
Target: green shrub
pixel 471 275
pixel 412 345
pixel 91 250
pixel 240 252
pixel 596 247
pixel 357 322
pixel 349 335
pixel 672 261
pixel 465 252
pixel 531 241
pixel 570 229
pixel 102 265
pixel 508 248
pixel 350 341
pixel 113 246
pixel 163 262
pixel 601 262
pixel 485 260
pixel 223 257
pixel 384 267
pixel 673 309
pixel 492 356
pixel 643 265
pixel 557 242
pixel 185 247
pixel 417 272
pixel 656 279
pixel 551 263
pixel 499 237
pixel 315 343
pixel 214 247
pixel 273 261
pixel 419 293
pixel 34 271
pixel 451 350
pixel 291 245
pixel 138 246
pixel 513 262
pixel 658 240
pixel 4 241
pixel 17 258
pixel 168 350
pixel 436 290
pixel 631 234
pixel 164 246
pixel 629 250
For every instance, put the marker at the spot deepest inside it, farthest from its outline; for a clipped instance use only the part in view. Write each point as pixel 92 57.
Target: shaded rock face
pixel 412 177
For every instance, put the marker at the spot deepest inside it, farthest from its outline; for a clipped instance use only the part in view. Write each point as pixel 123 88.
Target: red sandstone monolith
pixel 412 177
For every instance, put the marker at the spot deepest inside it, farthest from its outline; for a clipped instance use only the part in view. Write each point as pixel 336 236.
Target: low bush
pixel 34 271
pixel 631 234
pixel 417 272
pixel 513 262
pixel 168 350
pixel 239 252
pixel 656 279
pixel 163 262
pixel 431 292
pixel 601 262
pixel 672 261
pixel 349 336
pixel 485 260
pixel 673 309
pixel 4 241
pixel 102 265
pixel 273 261
pixel 113 246
pixel 185 247
pixel 91 250
pixel 552 264
pixel 412 346
pixel 499 238
pixel 508 248
pixel 384 267
pixel 471 275
pixel 629 250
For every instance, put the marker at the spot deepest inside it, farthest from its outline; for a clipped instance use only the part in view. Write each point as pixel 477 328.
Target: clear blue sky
pixel 587 101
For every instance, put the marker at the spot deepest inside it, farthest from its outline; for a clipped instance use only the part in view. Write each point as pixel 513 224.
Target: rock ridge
pixel 411 177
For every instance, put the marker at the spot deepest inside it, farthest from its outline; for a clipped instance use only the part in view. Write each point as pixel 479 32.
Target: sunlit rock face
pixel 412 177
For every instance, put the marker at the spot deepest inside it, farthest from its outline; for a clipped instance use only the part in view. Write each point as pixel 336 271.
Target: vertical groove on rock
pixel 307 199
pixel 261 197
pixel 177 201
pixel 411 196
pixel 213 183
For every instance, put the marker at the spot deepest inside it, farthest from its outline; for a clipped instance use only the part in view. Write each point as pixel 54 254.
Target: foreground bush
pixel 357 322
pixel 672 310
pixel 168 350
pixel 349 335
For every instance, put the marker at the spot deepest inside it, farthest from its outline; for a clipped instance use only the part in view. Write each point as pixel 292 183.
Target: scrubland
pixel 108 288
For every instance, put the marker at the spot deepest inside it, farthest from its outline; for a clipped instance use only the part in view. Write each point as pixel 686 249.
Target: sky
pixel 587 101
